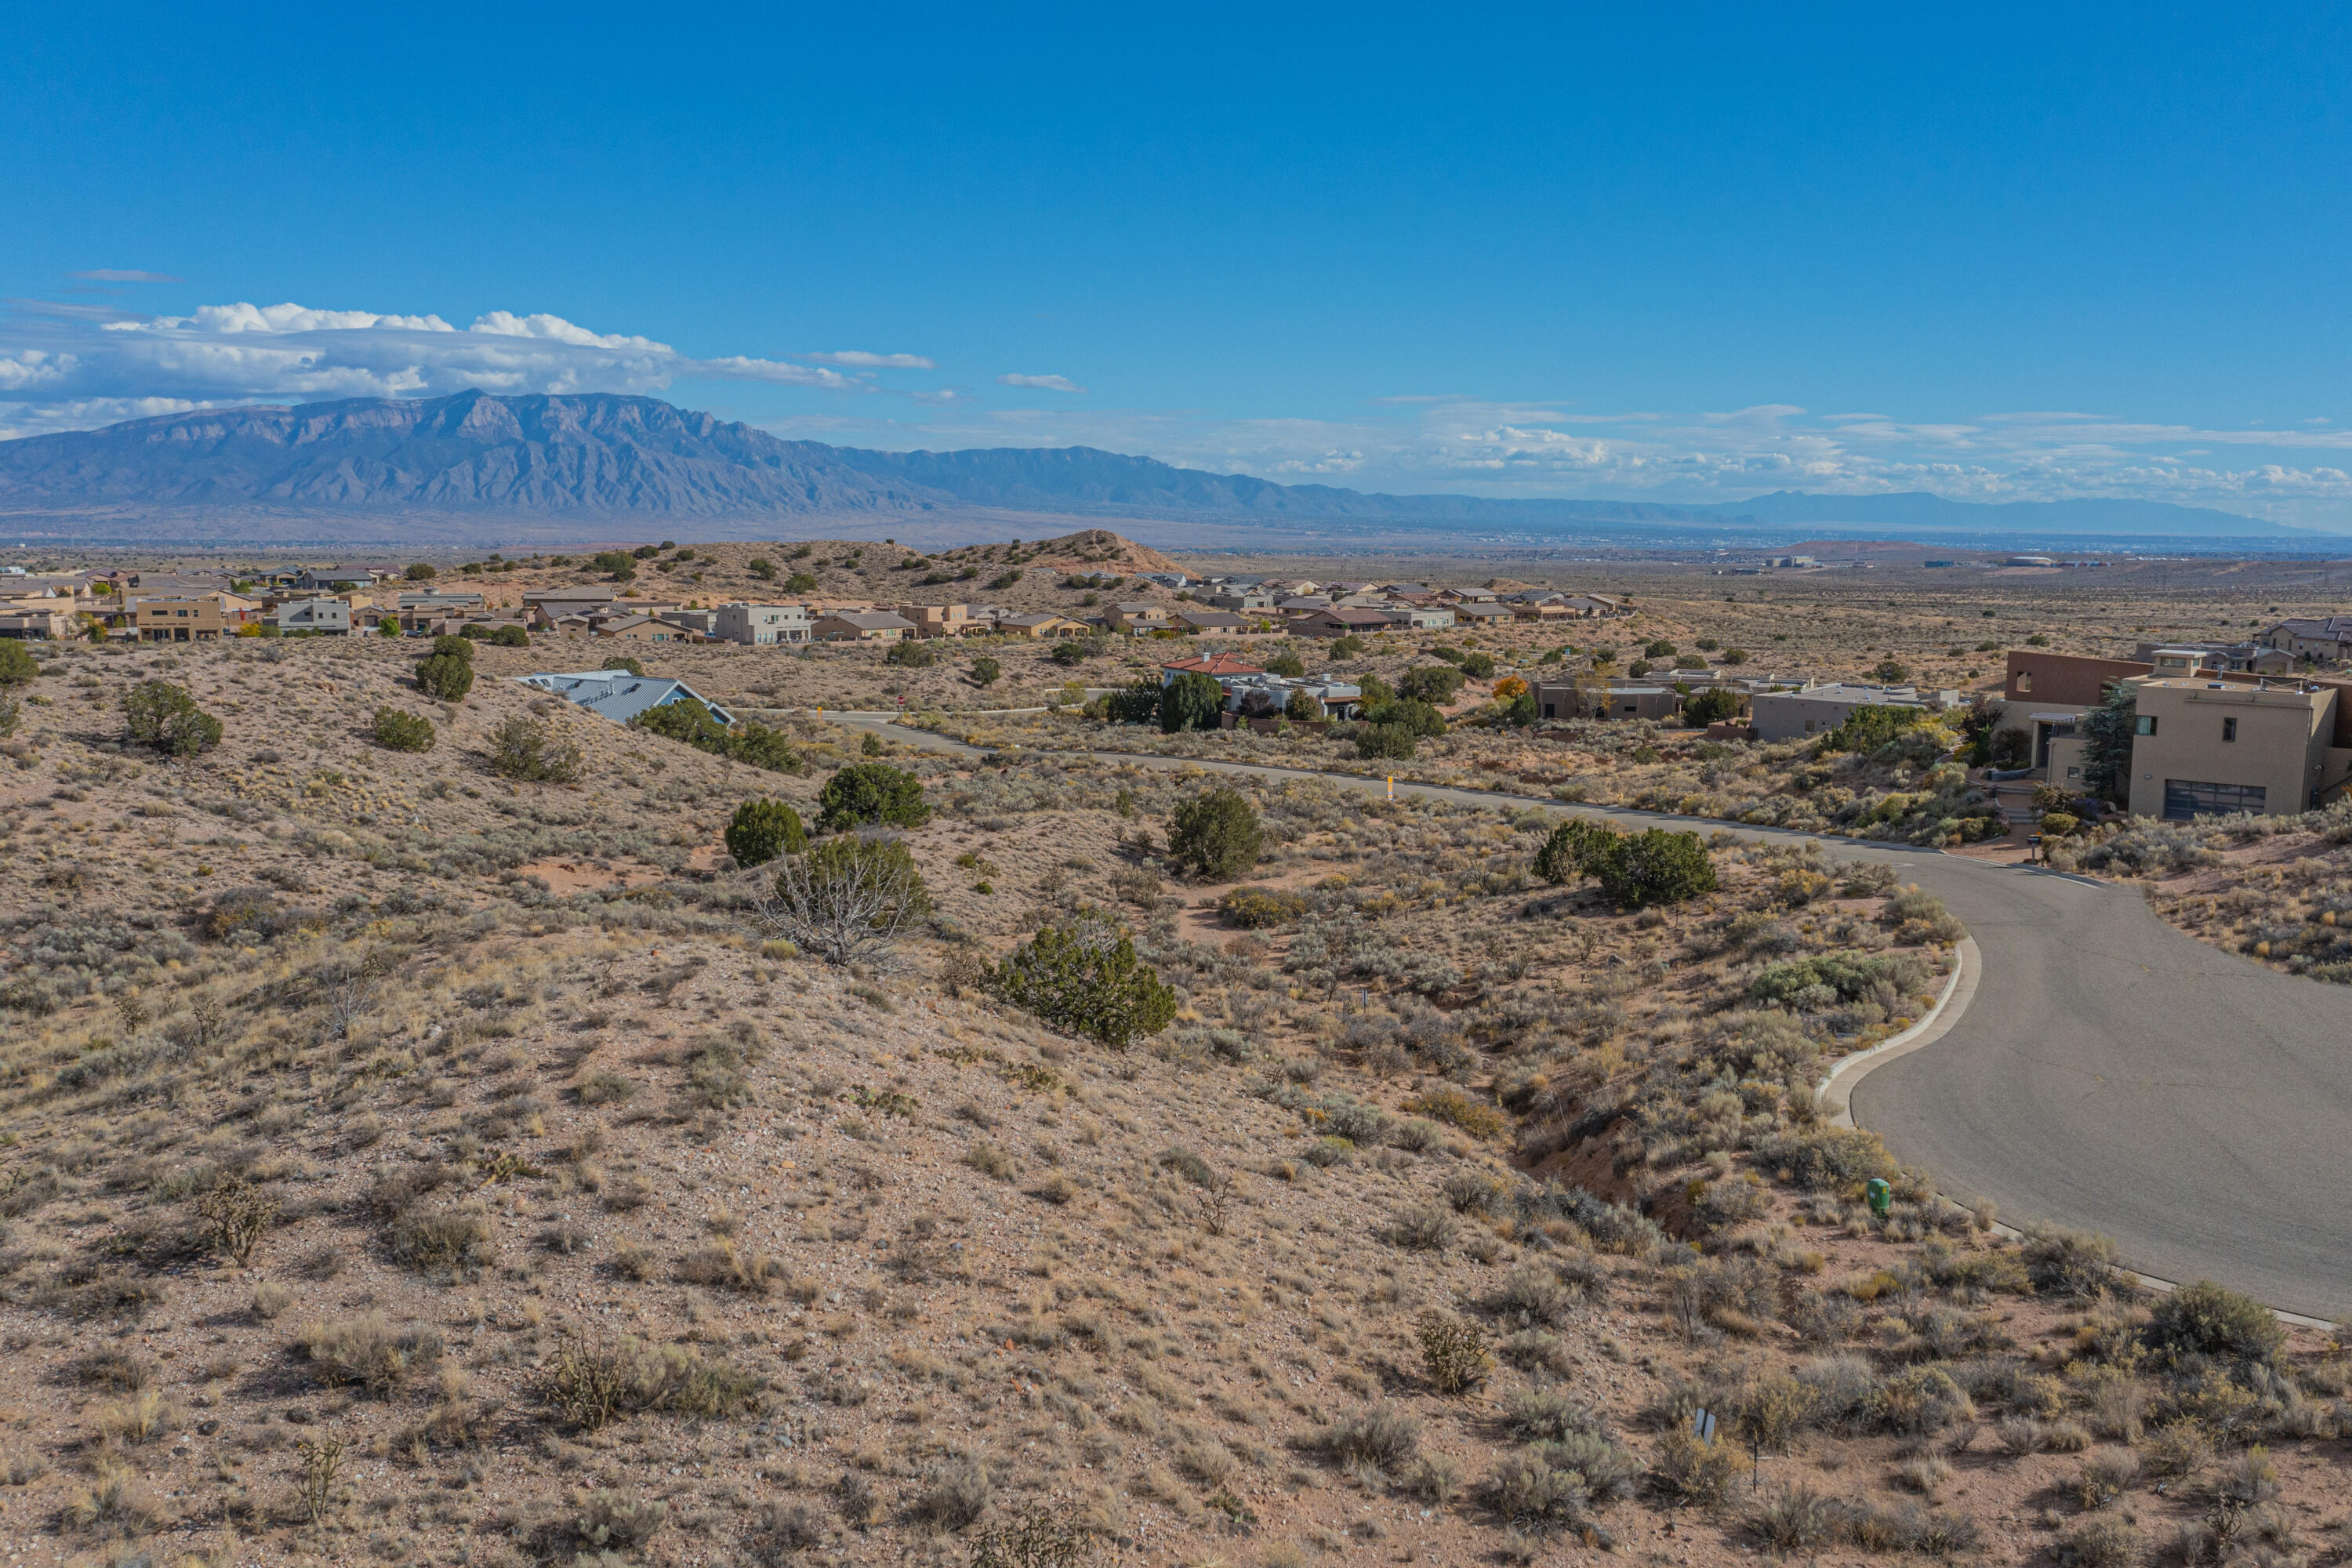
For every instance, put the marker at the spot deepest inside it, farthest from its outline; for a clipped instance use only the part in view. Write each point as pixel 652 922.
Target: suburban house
pixel 758 626
pixel 1244 599
pixel 862 625
pixel 417 610
pixel 1817 710
pixel 1466 595
pixel 325 579
pixel 1541 610
pixel 1040 625
pixel 24 619
pixel 1567 699
pixel 1140 615
pixel 1595 604
pixel 1215 666
pixel 935 620
pixel 2258 657
pixel 2208 747
pixel 332 617
pixel 2326 640
pixel 703 623
pixel 643 628
pixel 1299 603
pixel 617 695
pixel 1198 621
pixel 549 605
pixel 1165 579
pixel 1340 621
pixel 1431 617
pixel 1482 612
pixel 1265 696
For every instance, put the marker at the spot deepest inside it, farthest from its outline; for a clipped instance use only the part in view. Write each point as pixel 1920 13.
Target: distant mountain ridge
pixel 606 455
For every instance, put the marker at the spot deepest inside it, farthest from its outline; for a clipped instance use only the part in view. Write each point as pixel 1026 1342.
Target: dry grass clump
pixel 370 1352
pixel 589 1383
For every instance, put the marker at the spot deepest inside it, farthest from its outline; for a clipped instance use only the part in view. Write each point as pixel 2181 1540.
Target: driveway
pixel 2112 1073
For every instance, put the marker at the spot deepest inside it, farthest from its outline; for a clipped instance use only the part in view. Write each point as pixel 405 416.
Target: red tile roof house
pixel 1215 666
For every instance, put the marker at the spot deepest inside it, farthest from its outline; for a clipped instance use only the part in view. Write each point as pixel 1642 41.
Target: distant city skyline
pixel 1682 257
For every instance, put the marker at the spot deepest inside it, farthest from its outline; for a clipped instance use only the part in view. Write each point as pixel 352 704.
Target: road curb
pixel 1960 989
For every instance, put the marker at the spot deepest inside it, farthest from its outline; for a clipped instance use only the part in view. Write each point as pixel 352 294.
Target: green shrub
pixel 911 653
pixel 799 583
pixel 763 829
pixel 2073 1264
pixel 1070 652
pixel 1569 852
pixel 1349 646
pixel 1302 706
pixel 166 717
pixel 1478 665
pixel 1826 1158
pixel 446 675
pixel 872 793
pixel 1005 579
pixel 1654 867
pixel 1385 742
pixel 2205 1318
pixel 1407 713
pixel 986 671
pixel 1139 704
pixel 527 750
pixel 11 713
pixel 1257 907
pixel 763 568
pixel 619 564
pixel 1867 728
pixel 1715 705
pixel 457 647
pixel 1287 662
pixel 1215 835
pixel 1190 701
pixel 399 732
pixel 17 665
pixel 1082 975
pixel 1436 684
pixel 420 572
pixel 509 635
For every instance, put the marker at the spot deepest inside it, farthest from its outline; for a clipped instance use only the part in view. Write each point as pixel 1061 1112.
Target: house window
pixel 2187 798
pixel 2025 681
pixel 2144 725
pixel 2229 729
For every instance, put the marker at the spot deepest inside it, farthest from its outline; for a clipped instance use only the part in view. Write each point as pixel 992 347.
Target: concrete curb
pixel 1836 1088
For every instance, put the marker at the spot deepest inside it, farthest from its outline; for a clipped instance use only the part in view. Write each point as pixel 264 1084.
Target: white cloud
pixel 1042 382
pixel 242 352
pixel 120 274
pixel 858 359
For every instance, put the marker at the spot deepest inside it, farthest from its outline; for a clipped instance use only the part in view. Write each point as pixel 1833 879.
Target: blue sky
pixel 1688 254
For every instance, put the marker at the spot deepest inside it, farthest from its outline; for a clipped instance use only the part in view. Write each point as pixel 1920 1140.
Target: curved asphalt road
pixel 2112 1073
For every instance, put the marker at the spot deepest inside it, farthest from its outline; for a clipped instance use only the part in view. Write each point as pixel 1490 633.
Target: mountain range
pixel 613 457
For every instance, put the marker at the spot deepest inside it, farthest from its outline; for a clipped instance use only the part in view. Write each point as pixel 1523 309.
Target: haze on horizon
pixel 1687 257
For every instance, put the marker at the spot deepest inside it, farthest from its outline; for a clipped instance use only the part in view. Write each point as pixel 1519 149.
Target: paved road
pixel 2111 1073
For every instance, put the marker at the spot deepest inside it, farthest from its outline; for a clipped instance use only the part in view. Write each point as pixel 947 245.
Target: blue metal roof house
pixel 617 695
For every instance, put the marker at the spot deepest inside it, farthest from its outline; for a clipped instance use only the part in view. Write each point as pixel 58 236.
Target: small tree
pixel 1215 835
pixel 1867 728
pixel 986 672
pixel 1302 705
pixel 1573 850
pixel 869 792
pixel 1435 684
pixel 1287 662
pixel 1408 714
pixel 1139 704
pixel 388 627
pixel 1478 665
pixel 799 583
pixel 1082 975
pixel 763 829
pixel 1068 652
pixel 510 636
pixel 2108 732
pixel 623 661
pixel 1890 670
pixel 447 675
pixel 399 732
pixel 459 646
pixel 421 572
pixel 1190 701
pixel 527 750
pixel 17 665
pixel 166 717
pixel 619 564
pixel 1653 866
pixel 910 655
pixel 1385 742
pixel 1715 705
pixel 11 713
pixel 847 899
pixel 1349 646
pixel 763 568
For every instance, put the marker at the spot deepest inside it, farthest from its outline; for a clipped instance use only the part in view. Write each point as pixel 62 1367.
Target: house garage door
pixel 2184 798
